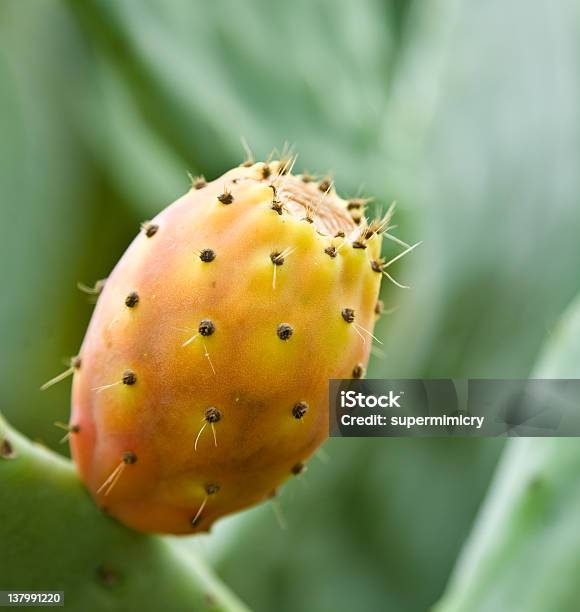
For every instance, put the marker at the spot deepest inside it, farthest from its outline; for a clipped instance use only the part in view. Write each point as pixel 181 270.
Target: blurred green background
pixel 465 112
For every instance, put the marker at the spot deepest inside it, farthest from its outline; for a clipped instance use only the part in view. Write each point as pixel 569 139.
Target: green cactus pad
pixel 53 537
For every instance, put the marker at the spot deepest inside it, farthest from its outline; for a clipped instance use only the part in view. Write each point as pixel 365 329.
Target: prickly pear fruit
pixel 202 382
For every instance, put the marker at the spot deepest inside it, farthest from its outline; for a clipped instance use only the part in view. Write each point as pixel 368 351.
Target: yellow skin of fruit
pixel 243 369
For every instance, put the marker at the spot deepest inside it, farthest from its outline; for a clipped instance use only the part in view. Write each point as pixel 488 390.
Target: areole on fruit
pixel 206 363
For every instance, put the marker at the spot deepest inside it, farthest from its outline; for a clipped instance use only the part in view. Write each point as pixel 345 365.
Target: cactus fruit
pixel 202 382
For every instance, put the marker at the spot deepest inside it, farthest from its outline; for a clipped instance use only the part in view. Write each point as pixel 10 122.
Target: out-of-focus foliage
pixel 63 221
pixel 203 75
pixel 376 527
pixel 524 554
pixel 466 112
pixel 484 121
